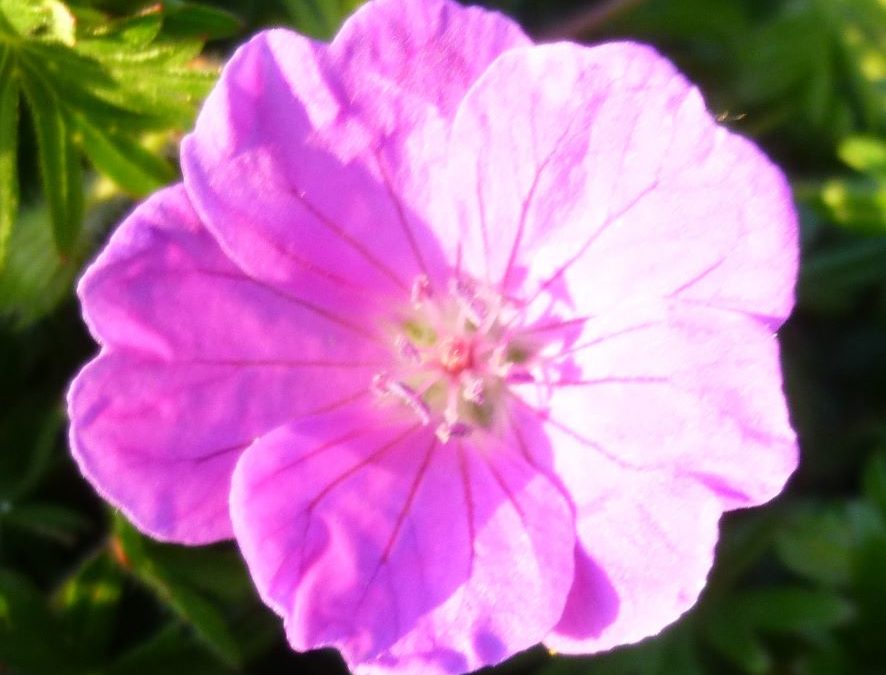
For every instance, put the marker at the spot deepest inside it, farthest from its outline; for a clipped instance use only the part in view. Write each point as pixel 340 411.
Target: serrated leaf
pixel 9 191
pixel 59 164
pixel 124 161
pixel 36 279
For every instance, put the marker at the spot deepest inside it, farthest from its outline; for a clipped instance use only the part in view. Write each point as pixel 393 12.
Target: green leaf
pixel 8 147
pixel 95 85
pixel 320 18
pixel 89 601
pixel 830 275
pixel 864 153
pixel 59 163
pixel 30 637
pixel 124 161
pixel 27 427
pixel 793 610
pixel 51 521
pixel 817 545
pixel 875 481
pixel 172 650
pixel 189 19
pixel 858 204
pixel 191 606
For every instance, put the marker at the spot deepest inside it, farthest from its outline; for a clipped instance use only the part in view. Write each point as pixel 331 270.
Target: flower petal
pixel 378 540
pixel 411 44
pixel 198 359
pixel 645 550
pixel 162 286
pixel 291 164
pixel 159 439
pixel 645 545
pixel 686 389
pixel 609 181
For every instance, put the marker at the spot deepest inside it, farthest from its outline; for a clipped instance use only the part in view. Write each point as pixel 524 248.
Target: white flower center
pixel 456 352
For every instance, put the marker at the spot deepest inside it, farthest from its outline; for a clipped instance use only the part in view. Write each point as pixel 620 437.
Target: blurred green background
pixel 94 96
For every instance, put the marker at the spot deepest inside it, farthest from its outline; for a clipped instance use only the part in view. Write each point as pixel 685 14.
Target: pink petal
pixel 689 390
pixel 646 538
pixel 645 551
pixel 198 359
pixel 163 286
pixel 405 554
pixel 159 440
pixel 597 173
pixel 296 158
pixel 433 50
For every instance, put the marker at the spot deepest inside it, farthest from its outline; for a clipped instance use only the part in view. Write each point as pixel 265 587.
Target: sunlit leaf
pixel 59 161
pixel 9 192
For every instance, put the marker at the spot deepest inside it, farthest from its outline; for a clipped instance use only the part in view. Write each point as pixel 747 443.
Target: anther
pixel 407 350
pixel 473 390
pixel 421 290
pixel 468 301
pixel 445 431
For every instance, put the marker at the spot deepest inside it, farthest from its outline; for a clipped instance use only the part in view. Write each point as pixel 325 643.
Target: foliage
pixel 93 97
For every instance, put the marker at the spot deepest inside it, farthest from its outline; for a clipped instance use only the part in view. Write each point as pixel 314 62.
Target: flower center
pixel 455 354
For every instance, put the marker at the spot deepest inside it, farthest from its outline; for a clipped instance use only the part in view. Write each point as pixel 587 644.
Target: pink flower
pixel 468 342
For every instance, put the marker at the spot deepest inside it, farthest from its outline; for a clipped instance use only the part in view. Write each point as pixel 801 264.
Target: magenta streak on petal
pixel 589 242
pixel 609 380
pixel 469 498
pixel 330 445
pixel 398 524
pixel 593 445
pixel 557 325
pixel 285 363
pixel 301 302
pixel 596 341
pixel 527 201
pixel 401 215
pixel 339 231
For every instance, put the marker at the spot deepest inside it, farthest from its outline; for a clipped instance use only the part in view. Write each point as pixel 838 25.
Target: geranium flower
pixel 468 342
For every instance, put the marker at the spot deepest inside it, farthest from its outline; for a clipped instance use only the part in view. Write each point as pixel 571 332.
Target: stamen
pixel 383 384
